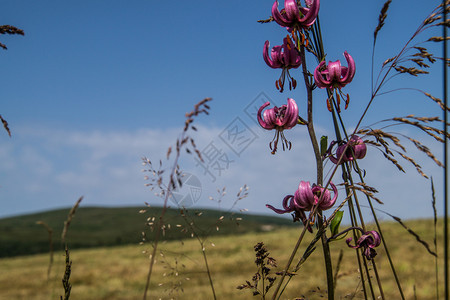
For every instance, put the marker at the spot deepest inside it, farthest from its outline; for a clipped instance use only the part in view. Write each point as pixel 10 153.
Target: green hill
pixel 102 226
pixel 120 272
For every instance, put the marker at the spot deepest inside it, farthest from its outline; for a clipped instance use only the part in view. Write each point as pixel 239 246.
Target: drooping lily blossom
pixel 354 149
pixel 335 77
pixel 306 197
pixel 284 57
pixel 368 241
pixel 279 118
pixel 294 17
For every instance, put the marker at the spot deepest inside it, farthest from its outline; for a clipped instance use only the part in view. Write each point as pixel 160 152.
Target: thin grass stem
pixel 209 272
pixel 445 76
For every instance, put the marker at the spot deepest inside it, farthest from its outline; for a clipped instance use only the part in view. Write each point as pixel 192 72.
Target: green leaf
pixel 334 226
pixel 323 144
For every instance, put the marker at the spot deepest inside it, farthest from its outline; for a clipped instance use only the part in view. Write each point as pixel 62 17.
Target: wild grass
pixel 107 226
pixel 119 272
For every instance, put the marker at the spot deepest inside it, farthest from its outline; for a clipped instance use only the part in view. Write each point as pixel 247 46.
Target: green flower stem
pixel 319 166
pixel 375 218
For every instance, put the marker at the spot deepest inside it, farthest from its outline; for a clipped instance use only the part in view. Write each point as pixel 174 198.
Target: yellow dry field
pixel 120 272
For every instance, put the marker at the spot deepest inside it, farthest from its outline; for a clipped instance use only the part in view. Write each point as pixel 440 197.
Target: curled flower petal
pixel 287 207
pixel 279 118
pixel 367 241
pixel 274 60
pixel 306 196
pixel 359 147
pixel 291 114
pixel 350 71
pixel 284 57
pixel 310 13
pixel 288 15
pixel 327 201
pixel 291 16
pixel 335 75
pixel 266 125
pixel 321 80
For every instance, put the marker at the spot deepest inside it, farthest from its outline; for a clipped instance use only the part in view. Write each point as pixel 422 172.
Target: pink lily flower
pixel 294 17
pixel 279 118
pixel 306 197
pixel 283 57
pixel 356 149
pixel 335 76
pixel 368 241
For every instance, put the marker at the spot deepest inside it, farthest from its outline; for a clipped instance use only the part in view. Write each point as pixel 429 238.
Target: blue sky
pixel 95 85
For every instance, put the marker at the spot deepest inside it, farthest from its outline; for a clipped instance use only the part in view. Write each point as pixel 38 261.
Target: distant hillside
pixel 101 226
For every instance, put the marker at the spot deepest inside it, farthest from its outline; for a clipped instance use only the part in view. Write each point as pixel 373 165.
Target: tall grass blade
pixel 410 231
pixel 433 203
pixel 66 284
pixel 50 241
pixel 69 220
pixel 445 80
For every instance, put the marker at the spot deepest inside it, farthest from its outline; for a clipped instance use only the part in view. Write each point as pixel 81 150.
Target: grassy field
pixel 102 226
pixel 120 272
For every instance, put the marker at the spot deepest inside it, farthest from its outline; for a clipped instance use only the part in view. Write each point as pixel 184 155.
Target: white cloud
pixel 47 168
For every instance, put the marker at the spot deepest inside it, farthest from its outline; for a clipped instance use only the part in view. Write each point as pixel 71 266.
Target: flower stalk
pixel 319 166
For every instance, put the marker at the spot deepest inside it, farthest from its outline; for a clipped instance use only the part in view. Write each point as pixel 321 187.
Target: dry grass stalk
pixel 270 19
pixel 394 161
pixel 383 145
pixel 5 125
pixel 69 219
pixel 426 150
pixel 367 190
pixel 412 71
pixel 419 62
pixel 432 18
pixel 438 101
pixel 66 284
pixel 410 231
pixel 381 18
pixel 331 217
pixel 418 167
pixel 424 54
pixel 389 60
pixel 8 29
pixel 338 266
pixel 437 39
pixel 166 191
pixel 427 129
pixel 380 135
pixel 433 204
pixel 50 241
